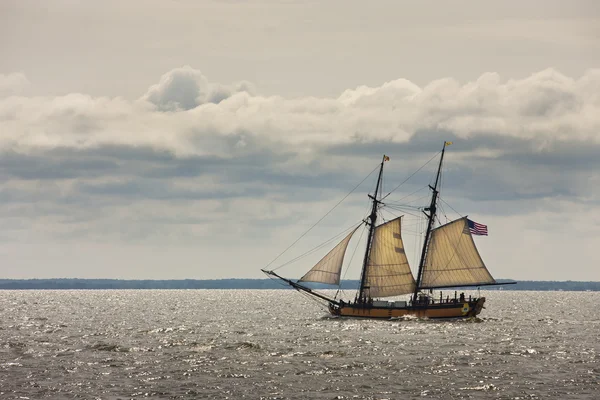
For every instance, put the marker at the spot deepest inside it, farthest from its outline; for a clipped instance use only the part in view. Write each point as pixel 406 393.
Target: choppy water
pixel 278 345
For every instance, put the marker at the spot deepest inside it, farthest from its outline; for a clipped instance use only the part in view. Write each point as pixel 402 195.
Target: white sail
pixel 452 258
pixel 328 269
pixel 388 272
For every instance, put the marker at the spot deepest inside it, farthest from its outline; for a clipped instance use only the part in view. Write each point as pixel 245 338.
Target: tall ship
pixel 449 260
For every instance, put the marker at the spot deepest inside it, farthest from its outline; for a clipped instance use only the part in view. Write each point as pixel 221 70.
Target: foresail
pixel 328 269
pixel 452 258
pixel 388 271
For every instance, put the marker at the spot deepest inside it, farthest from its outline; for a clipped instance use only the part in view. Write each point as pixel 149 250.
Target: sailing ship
pixel 449 259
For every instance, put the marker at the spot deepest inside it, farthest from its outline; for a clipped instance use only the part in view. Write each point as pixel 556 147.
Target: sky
pixel 199 139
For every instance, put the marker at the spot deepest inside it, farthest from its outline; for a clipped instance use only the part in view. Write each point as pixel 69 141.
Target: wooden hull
pixel 466 309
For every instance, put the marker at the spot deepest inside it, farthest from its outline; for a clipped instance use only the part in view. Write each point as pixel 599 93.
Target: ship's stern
pixel 477 307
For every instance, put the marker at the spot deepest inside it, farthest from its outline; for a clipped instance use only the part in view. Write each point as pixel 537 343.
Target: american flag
pixel 477 229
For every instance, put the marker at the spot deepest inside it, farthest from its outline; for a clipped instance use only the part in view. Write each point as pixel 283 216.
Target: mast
pixel 373 219
pixel 431 218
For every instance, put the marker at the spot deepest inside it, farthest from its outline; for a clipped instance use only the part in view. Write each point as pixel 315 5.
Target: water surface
pixel 278 344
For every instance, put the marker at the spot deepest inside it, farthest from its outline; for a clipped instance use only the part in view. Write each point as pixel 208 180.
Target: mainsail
pixel 452 258
pixel 328 269
pixel 388 272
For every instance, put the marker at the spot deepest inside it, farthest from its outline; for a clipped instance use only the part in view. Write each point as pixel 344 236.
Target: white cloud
pixel 546 106
pixel 186 88
pixel 208 161
pixel 13 84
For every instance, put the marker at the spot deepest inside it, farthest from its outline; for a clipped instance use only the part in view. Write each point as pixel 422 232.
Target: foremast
pixel 362 296
pixel 430 221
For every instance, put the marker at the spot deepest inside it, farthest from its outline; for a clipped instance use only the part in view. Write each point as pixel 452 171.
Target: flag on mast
pixel 477 228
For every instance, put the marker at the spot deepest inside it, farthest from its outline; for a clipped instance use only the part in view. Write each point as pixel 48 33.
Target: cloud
pixel 186 88
pixel 197 163
pixel 13 84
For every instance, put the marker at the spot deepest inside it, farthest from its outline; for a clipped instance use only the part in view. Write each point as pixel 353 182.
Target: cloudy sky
pixel 198 139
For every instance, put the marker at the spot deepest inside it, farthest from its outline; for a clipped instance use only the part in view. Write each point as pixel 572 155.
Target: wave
pixel 101 346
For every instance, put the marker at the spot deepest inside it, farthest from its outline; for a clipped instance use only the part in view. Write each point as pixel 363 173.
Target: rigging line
pixel 323 217
pixel 367 212
pixel 402 210
pixel 402 198
pixel 389 212
pixel 412 227
pixel 391 205
pixel 443 212
pixel 409 213
pixel 451 207
pixel 279 282
pixel 413 174
pixel 412 234
pixel 350 262
pixel 439 220
pixel 420 198
pixel 319 302
pixel 412 211
pixel 407 209
pixel 403 206
pixel 333 239
pixel 442 184
pixel 404 225
pixel 418 243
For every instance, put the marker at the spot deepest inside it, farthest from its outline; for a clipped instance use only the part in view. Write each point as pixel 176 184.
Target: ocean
pixel 279 344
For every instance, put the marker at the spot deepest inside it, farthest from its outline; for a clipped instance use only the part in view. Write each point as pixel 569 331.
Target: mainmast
pixel 361 296
pixel 431 218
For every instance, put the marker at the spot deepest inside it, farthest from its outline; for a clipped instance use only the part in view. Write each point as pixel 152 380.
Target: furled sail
pixel 452 258
pixel 388 271
pixel 328 269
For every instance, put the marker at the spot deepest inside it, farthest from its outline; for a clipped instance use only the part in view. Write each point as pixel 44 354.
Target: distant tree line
pixel 45 284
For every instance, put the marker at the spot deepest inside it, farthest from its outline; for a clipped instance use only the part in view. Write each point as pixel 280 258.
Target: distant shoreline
pixel 74 283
